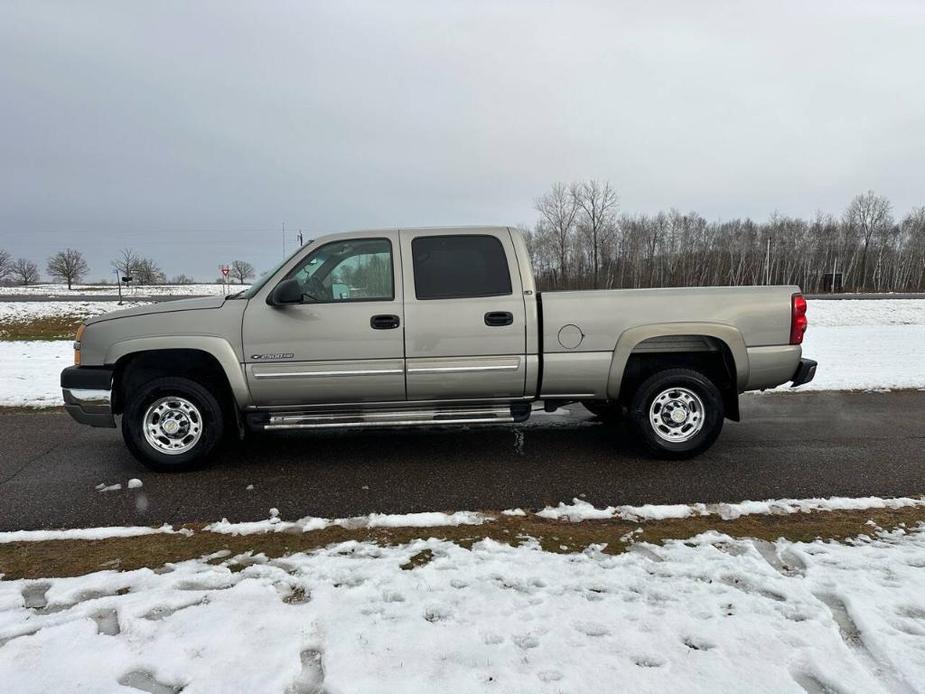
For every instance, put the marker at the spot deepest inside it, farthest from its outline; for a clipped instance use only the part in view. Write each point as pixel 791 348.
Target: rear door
pixel 465 318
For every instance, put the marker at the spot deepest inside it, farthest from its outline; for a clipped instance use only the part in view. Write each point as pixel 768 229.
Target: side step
pixel 493 414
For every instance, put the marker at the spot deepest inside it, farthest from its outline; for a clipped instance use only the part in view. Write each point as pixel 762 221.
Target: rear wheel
pixel 677 413
pixel 172 424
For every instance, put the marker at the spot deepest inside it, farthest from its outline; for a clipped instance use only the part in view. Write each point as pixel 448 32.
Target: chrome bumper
pixel 88 395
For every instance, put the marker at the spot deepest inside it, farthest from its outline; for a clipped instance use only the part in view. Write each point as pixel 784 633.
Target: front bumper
pixel 805 373
pixel 87 394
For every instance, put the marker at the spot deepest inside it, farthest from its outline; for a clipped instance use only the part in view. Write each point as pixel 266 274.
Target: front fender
pixel 218 347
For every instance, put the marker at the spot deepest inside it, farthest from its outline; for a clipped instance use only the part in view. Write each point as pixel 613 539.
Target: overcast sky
pixel 191 131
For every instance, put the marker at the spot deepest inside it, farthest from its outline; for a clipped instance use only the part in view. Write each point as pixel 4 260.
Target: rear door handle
pixel 384 321
pixel 499 318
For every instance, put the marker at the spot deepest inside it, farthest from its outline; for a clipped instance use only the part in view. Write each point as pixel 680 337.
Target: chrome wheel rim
pixel 676 415
pixel 172 425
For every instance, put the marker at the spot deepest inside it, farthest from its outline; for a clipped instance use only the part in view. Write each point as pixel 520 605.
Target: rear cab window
pixel 459 267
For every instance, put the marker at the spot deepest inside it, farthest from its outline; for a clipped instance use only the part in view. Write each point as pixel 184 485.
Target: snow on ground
pixel 27 311
pixel 85 533
pixel 859 344
pixel 30 372
pixel 580 510
pixel 128 292
pixel 866 344
pixel 712 614
pixel 428 519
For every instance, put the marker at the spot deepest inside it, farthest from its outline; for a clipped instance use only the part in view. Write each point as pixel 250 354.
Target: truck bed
pixel 587 336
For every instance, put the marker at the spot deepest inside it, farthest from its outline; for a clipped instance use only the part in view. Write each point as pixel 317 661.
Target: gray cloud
pixel 190 131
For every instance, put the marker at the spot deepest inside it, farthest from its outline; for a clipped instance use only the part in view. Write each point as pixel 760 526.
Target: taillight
pixel 798 320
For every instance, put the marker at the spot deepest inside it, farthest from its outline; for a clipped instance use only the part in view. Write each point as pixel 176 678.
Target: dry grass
pixel 76 557
pixel 47 328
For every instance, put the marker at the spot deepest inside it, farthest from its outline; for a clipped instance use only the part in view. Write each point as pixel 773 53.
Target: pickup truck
pixel 434 326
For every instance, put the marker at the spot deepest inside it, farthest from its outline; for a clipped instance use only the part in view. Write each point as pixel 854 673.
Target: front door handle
pixel 499 318
pixel 385 321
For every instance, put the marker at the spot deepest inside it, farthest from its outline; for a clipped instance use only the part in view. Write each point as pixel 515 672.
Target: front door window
pixel 353 270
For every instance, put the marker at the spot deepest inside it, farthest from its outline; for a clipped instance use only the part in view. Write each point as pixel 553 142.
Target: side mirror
pixel 286 292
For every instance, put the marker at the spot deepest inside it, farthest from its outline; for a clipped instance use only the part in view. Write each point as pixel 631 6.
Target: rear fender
pixel 629 339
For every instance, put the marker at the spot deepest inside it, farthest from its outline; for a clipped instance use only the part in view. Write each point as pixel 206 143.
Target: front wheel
pixel 677 413
pixel 172 424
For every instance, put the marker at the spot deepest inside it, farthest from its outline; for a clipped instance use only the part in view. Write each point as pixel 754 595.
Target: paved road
pixel 791 445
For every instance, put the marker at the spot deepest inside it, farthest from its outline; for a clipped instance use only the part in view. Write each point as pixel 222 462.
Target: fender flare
pixel 217 347
pixel 629 339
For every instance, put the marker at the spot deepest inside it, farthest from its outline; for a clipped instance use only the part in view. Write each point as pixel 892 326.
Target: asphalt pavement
pixel 788 445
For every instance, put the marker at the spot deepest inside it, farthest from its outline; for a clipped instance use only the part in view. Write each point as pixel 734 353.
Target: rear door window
pixel 458 267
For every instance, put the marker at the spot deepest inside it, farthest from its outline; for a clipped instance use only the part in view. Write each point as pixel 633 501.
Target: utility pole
pixel 767 264
pixel 119 284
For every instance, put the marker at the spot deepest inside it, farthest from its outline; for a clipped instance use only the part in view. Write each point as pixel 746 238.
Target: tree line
pixel 71 267
pixel 583 240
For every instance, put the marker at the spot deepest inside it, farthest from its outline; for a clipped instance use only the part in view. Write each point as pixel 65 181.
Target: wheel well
pixel 134 370
pixel 714 360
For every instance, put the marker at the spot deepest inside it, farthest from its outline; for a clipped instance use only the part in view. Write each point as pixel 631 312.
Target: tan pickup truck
pixel 422 327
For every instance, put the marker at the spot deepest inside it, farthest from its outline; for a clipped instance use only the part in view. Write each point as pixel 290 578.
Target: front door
pixel 345 342
pixel 465 315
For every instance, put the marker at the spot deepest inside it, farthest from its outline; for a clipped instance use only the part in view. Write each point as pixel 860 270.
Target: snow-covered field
pixel 864 344
pixel 61 290
pixel 25 311
pixel 859 344
pixel 712 614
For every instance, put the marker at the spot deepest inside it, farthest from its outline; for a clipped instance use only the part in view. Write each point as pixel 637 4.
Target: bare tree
pixel 559 210
pixel 127 262
pixel 181 279
pixel 598 204
pixel 6 263
pixel 147 272
pixel 24 272
pixel 684 249
pixel 867 215
pixel 241 270
pixel 68 265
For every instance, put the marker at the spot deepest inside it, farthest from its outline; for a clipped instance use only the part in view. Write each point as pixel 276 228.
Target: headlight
pixel 80 332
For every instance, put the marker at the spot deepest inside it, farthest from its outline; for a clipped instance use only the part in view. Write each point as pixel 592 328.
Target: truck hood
pixel 163 307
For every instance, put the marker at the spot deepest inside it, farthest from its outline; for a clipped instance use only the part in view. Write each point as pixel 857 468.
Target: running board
pixel 499 414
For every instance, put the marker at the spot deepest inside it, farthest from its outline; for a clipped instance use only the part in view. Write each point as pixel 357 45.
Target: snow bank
pixel 715 614
pixel 580 510
pixel 273 524
pixel 85 533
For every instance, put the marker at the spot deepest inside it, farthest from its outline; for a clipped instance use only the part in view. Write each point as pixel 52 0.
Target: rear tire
pixel 172 424
pixel 677 414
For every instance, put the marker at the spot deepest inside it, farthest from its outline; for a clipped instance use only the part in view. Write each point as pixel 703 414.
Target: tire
pixel 184 423
pixel 697 400
pixel 606 410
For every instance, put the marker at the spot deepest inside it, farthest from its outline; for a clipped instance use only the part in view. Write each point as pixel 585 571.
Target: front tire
pixel 677 413
pixel 172 424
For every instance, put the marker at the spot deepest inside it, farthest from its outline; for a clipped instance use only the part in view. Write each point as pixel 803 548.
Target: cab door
pixel 344 342
pixel 465 317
